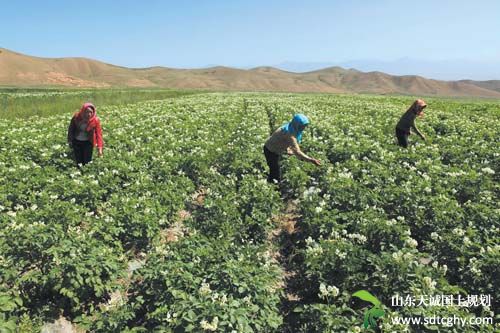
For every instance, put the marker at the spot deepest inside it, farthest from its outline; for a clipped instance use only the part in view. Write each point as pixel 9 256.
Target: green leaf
pixel 367 296
pixel 366 319
pixel 377 312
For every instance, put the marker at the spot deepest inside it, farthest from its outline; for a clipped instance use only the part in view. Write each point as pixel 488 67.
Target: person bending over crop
pixel 407 122
pixel 286 139
pixel 85 133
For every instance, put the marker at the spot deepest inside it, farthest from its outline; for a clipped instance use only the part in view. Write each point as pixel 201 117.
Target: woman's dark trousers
pixel 273 161
pixel 402 137
pixel 82 151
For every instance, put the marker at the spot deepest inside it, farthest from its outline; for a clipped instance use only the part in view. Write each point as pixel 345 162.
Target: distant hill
pixel 490 84
pixel 27 71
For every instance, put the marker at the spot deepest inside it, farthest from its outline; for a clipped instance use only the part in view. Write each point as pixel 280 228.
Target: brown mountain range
pixel 21 70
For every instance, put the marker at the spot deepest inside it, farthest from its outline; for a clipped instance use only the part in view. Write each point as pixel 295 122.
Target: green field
pixel 175 229
pixel 18 103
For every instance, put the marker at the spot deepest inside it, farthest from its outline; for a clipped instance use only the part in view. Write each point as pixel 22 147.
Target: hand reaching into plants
pixel 315 161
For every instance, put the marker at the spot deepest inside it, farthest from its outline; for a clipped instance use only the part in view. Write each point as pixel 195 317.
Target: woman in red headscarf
pixel 85 133
pixel 407 122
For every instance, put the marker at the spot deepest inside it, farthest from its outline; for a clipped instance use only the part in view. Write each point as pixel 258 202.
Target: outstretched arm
pixel 100 142
pixel 414 126
pixel 295 150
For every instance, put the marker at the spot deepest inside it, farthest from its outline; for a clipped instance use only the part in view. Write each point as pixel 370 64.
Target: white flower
pixel 397 256
pixel 456 174
pixel 314 250
pixel 390 222
pixel 204 289
pixel 429 283
pixel 355 329
pixel 347 175
pixel 360 238
pixel 340 254
pixel 311 191
pixel 493 249
pixel 488 171
pixel 326 291
pixel 210 326
pixel 334 291
pixel 434 235
pixel 473 266
pixel 411 242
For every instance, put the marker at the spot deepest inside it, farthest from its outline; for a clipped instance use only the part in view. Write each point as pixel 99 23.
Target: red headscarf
pixel 418 107
pixel 93 117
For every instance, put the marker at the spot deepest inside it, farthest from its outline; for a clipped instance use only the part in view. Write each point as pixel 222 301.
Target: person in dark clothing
pixel 85 133
pixel 407 122
pixel 286 139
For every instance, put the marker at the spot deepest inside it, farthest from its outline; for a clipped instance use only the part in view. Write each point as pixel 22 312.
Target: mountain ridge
pixel 20 70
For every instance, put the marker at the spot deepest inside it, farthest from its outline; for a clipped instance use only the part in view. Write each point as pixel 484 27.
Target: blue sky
pixel 249 33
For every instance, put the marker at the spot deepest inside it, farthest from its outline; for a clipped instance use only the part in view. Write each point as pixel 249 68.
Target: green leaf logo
pixel 372 314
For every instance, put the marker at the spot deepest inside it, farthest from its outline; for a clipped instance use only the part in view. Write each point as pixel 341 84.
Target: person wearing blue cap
pixel 286 139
